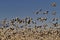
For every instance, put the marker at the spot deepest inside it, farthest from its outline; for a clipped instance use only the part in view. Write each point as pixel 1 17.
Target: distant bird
pixel 12 21
pixel 38 11
pixel 5 26
pixel 28 20
pixel 45 25
pixel 29 29
pixel 55 24
pixel 34 22
pixel 42 19
pixel 46 12
pixel 23 20
pixel 39 26
pixel 18 20
pixel 4 21
pixel 53 4
pixel 55 19
pixel 53 12
pixel 11 28
pixel 21 26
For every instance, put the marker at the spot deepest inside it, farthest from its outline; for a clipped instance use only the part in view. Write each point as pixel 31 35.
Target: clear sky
pixel 23 8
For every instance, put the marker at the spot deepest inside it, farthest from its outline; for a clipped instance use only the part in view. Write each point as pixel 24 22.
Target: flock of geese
pixel 29 20
pixel 25 33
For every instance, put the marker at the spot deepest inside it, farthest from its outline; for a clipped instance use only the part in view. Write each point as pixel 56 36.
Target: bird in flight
pixel 46 12
pixel 53 4
pixel 38 11
pixel 53 12
pixel 42 19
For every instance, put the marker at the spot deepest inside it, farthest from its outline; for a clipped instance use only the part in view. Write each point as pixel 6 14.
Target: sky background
pixel 23 8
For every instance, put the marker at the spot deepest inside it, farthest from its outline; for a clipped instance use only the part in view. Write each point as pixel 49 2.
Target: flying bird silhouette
pixel 38 11
pixel 53 12
pixel 42 19
pixel 46 12
pixel 53 4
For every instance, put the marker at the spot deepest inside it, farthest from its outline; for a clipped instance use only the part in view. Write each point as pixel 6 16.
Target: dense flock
pixel 27 28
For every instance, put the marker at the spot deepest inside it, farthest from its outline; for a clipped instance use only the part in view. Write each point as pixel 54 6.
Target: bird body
pixel 53 4
pixel 46 12
pixel 42 19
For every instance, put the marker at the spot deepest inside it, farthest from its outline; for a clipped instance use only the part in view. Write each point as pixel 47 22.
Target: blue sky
pixel 23 8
